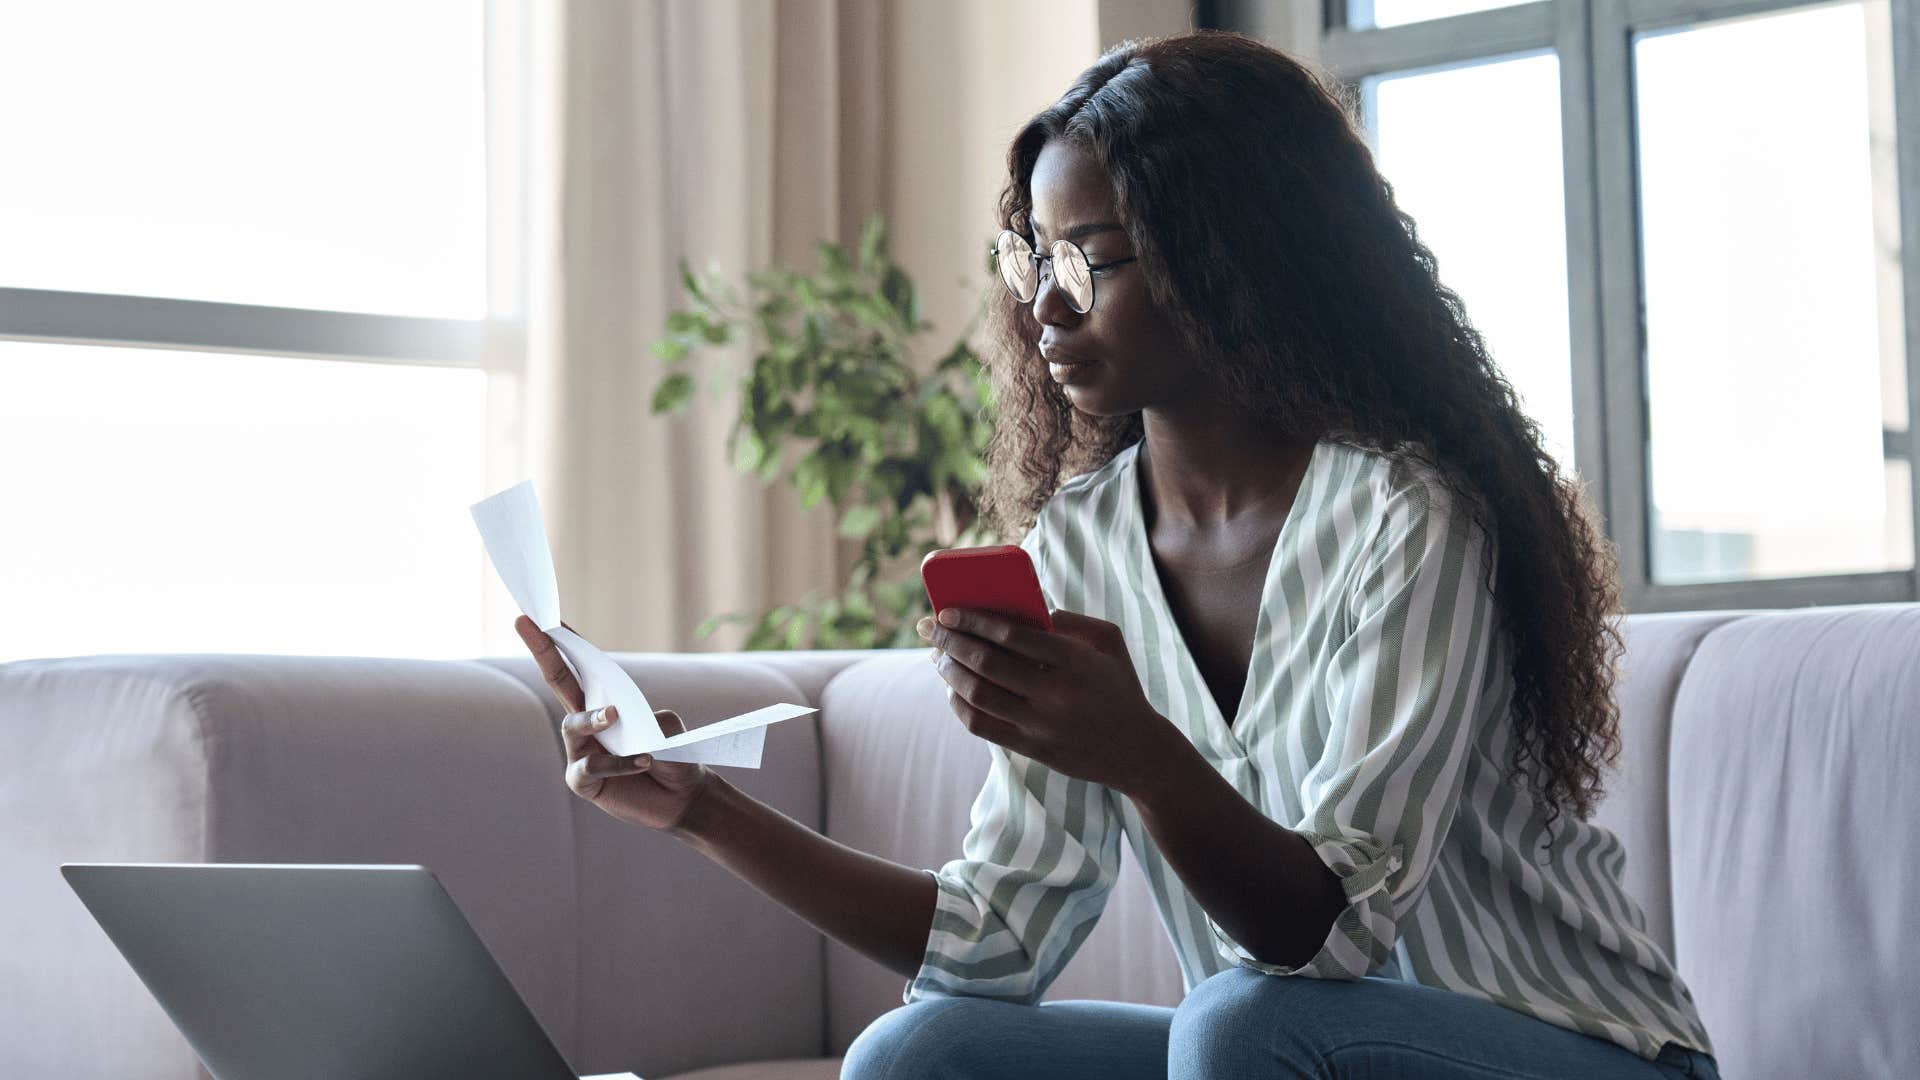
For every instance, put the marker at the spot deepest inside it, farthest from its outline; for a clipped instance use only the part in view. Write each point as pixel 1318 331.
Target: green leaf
pixel 857 522
pixel 898 290
pixel 747 450
pixel 714 622
pixel 691 286
pixel 810 477
pixel 833 263
pixel 873 243
pixel 835 377
pixel 797 632
pixel 672 393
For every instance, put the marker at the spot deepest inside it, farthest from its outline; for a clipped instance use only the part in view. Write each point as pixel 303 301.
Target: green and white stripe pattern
pixel 1373 722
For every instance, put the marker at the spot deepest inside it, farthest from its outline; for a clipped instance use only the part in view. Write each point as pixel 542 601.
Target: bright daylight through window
pixel 1775 344
pixel 294 156
pixel 1497 230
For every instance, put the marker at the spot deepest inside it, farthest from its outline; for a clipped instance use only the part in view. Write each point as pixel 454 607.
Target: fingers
pixel 585 775
pixel 1031 643
pixel 981 691
pixel 579 728
pixel 987 726
pixel 997 665
pixel 553 668
pixel 1098 633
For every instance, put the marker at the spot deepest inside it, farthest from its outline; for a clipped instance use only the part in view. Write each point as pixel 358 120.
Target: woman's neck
pixel 1207 470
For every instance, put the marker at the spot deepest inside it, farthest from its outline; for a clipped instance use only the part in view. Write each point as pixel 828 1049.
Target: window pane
pixel 1772 288
pixel 193 502
pixel 1362 14
pixel 1473 154
pixel 317 156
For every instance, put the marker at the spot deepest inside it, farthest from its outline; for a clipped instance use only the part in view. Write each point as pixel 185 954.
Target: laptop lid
pixel 335 972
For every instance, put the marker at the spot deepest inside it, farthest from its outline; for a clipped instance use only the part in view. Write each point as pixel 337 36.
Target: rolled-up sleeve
pixel 1408 692
pixel 1037 863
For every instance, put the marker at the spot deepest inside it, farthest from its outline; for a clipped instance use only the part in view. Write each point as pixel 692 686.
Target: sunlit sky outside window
pixel 1473 154
pixel 1766 321
pixel 1383 13
pixel 1771 274
pixel 309 156
pixel 194 502
pixel 297 155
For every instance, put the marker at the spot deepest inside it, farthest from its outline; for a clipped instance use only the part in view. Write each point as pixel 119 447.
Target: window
pixel 1678 225
pixel 1498 230
pixel 1362 14
pixel 242 296
pixel 198 502
pixel 1770 269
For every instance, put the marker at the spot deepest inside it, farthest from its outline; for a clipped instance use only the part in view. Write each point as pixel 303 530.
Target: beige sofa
pixel 1770 802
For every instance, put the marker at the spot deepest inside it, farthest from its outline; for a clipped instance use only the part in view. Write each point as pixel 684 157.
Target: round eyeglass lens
pixel 1015 258
pixel 1072 275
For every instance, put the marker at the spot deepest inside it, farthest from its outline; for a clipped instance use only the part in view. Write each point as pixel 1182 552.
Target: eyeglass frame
pixel 993 252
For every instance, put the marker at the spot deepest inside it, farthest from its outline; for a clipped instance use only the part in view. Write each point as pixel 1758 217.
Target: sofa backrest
pixel 1634 806
pixel 901 775
pixel 1795 780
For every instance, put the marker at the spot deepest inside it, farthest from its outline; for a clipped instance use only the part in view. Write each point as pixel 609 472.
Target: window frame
pixel 85 318
pixel 1594 42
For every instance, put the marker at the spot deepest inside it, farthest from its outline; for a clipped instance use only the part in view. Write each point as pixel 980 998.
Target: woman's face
pixel 1123 355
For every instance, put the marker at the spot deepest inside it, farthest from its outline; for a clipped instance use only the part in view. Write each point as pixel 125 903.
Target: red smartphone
pixel 998 579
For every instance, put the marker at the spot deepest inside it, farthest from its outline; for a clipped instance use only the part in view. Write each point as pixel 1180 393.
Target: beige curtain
pixel 709 130
pixel 737 132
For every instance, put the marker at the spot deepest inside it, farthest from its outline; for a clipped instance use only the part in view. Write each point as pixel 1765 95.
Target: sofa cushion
pixel 901 775
pixel 1796 856
pixel 1659 648
pixel 664 934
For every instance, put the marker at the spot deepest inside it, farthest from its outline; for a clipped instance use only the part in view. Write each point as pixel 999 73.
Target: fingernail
pixel 925 626
pixel 949 617
pixel 641 761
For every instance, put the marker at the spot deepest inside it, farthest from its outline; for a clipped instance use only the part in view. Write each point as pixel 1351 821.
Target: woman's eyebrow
pixel 1081 232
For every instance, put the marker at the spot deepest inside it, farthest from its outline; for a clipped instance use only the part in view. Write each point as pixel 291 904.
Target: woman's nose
pixel 1050 307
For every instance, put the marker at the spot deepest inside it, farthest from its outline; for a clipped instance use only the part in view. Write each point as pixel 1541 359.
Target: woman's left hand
pixel 1068 699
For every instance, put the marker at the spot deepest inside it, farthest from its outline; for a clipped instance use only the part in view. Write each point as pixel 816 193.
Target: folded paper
pixel 516 542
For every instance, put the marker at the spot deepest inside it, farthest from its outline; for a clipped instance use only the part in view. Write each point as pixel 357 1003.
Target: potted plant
pixel 831 400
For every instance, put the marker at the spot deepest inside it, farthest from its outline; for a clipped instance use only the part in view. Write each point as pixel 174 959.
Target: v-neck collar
pixel 1219 729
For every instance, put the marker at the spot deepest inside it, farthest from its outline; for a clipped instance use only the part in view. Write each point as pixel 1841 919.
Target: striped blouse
pixel 1371 723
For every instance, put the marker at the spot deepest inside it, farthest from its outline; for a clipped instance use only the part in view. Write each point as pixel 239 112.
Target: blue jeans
pixel 1241 1023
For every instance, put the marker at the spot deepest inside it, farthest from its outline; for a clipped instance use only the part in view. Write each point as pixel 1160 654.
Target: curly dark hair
pixel 1271 240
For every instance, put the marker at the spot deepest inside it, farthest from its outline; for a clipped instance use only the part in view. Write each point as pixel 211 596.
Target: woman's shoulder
pixel 1392 483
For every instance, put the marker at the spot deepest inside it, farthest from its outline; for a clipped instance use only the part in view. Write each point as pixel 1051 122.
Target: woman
pixel 1333 659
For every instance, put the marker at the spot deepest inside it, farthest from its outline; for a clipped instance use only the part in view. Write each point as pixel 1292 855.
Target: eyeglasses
pixel 1020 268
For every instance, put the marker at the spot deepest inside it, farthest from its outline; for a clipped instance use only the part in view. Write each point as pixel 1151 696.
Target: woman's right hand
pixel 638 789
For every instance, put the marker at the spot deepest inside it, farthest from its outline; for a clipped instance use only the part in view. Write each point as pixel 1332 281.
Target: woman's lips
pixel 1065 367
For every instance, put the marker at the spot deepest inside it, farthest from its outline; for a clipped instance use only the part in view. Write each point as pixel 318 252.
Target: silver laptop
pixel 335 972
